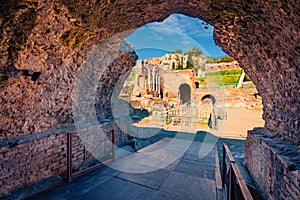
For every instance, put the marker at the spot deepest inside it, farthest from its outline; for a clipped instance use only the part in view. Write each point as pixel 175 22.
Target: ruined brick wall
pixel 33 161
pixel 230 97
pixel 245 97
pixel 172 80
pixel 274 163
pixel 33 158
pixel 94 144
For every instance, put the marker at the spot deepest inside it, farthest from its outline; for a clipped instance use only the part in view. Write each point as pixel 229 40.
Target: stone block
pixel 270 165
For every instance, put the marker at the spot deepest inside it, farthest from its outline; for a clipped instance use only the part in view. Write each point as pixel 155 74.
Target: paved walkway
pixel 189 177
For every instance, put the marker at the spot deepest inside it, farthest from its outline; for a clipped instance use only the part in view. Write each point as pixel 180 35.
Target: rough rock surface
pixel 43 44
pixel 53 37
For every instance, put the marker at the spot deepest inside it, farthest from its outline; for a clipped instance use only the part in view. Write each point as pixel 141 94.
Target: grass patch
pixel 222 80
pixel 225 77
pixel 201 81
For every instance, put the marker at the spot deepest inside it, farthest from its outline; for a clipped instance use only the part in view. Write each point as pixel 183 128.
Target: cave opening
pixel 181 51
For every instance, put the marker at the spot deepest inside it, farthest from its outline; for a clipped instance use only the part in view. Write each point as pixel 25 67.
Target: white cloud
pixel 186 42
pixel 176 32
pixel 154 36
pixel 193 27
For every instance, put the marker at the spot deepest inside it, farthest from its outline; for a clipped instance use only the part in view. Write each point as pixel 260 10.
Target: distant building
pixel 147 79
pixel 171 61
pixel 221 66
pixel 159 77
pixel 179 84
pixel 152 80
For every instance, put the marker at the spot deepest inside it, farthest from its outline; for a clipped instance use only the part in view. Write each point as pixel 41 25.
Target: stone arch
pixel 209 96
pixel 185 93
pixel 252 47
pixel 197 85
pixel 260 35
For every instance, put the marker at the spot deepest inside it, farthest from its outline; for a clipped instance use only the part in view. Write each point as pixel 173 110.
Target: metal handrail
pixel 232 180
pixel 70 174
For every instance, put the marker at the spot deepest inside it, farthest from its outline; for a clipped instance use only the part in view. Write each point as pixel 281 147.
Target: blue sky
pixel 176 32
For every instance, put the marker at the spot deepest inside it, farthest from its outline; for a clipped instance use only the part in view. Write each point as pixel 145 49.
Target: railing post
pixel 229 185
pixel 113 144
pixel 224 170
pixel 69 155
pixel 236 186
pixel 70 174
pixel 232 182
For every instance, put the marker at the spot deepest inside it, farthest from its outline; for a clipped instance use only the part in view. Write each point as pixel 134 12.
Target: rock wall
pixel 38 67
pixel 52 39
pixel 51 46
pixel 274 163
pixel 43 44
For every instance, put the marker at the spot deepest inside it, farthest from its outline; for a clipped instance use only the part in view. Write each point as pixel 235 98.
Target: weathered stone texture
pixel 53 38
pixel 246 97
pixel 274 163
pixel 262 36
pixel 43 44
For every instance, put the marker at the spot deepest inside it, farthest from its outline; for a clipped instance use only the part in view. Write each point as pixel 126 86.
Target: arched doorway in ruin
pixel 208 96
pixel 185 93
pixel 207 104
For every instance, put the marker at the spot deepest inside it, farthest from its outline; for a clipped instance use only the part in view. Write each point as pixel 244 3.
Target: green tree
pixel 211 60
pixel 194 51
pixel 179 67
pixel 130 89
pixel 173 66
pixel 178 51
pixel 227 59
pixel 189 65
